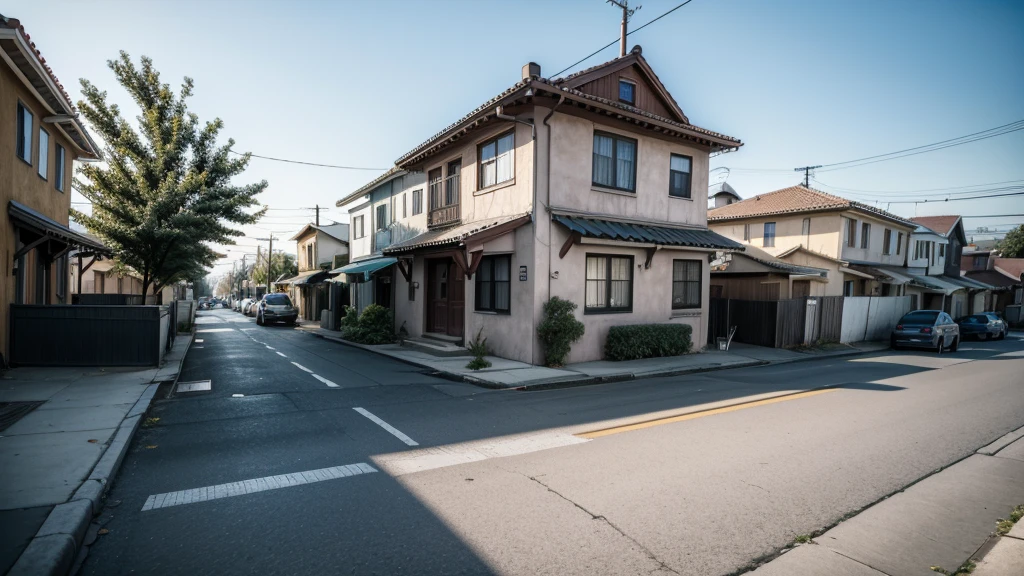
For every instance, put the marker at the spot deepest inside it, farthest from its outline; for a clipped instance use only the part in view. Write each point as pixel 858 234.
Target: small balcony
pixel 444 202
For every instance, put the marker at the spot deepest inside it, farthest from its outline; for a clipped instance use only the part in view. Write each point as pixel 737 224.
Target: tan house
pixel 319 249
pixel 40 138
pixel 863 248
pixel 588 187
pixel 101 276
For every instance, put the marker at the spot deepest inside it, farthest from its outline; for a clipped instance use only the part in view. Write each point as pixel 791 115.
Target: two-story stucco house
pixel 318 249
pixel 40 138
pixel 390 209
pixel 863 249
pixel 934 263
pixel 589 187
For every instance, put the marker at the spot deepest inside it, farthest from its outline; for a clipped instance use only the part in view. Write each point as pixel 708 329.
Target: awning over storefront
pixel 646 233
pixel 307 277
pixel 32 221
pixel 361 270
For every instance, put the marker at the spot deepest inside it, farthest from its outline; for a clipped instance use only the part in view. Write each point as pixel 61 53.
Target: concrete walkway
pixel 942 521
pixel 58 459
pixel 512 374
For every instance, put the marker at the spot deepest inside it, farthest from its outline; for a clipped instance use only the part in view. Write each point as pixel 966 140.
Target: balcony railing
pixel 444 202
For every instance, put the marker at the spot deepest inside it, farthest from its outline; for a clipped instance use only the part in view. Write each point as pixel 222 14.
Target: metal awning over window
pixel 307 277
pixel 29 220
pixel 646 233
pixel 362 270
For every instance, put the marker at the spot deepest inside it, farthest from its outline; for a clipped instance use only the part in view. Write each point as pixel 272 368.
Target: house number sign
pixel 522 273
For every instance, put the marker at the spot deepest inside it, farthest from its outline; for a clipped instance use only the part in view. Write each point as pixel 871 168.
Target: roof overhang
pixel 26 218
pixel 472 233
pixel 20 55
pixel 394 172
pixel 856 273
pixel 604 231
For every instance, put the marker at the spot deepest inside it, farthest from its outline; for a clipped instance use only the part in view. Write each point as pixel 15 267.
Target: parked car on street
pixel 276 308
pixel 982 326
pixel 246 302
pixel 933 329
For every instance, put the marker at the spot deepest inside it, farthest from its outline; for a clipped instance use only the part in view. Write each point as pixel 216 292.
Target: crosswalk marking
pixel 254 485
pixel 394 431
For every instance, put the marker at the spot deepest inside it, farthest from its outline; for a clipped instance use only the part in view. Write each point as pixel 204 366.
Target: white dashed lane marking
pixel 324 380
pixel 394 431
pixel 254 485
pixel 301 367
pixel 281 355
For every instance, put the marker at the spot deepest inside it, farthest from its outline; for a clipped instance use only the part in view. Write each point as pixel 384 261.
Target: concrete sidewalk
pixel 942 521
pixel 505 374
pixel 59 458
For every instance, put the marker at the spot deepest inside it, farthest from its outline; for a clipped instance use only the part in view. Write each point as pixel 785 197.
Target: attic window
pixel 627 91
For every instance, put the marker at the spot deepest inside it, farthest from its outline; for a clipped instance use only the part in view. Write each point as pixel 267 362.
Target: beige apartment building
pixel 40 138
pixel 862 248
pixel 589 187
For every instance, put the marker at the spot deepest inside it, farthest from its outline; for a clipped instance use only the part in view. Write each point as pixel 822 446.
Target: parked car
pixel 244 308
pixel 236 305
pixel 982 326
pixel 250 307
pixel 933 329
pixel 276 308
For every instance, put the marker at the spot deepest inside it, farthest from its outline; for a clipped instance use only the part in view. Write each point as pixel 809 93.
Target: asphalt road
pixel 448 478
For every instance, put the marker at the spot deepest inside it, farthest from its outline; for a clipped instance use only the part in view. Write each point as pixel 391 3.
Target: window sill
pixel 599 311
pixel 688 198
pixel 494 187
pixel 686 313
pixel 492 313
pixel 594 188
pixel 29 162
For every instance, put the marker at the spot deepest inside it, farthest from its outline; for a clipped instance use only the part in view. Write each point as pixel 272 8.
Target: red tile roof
pixel 15 24
pixel 792 200
pixel 941 224
pixel 1012 266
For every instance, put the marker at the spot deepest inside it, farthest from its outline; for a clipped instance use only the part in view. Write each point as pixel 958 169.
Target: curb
pixel 57 544
pixel 573 382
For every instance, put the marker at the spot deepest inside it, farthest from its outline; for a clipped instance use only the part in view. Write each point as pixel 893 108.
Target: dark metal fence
pixel 81 335
pixel 108 299
pixel 776 323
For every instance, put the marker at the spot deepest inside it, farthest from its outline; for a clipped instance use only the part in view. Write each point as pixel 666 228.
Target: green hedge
pixel 647 341
pixel 373 326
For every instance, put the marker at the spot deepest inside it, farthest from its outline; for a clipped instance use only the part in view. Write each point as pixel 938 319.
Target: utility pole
pixel 270 259
pixel 317 214
pixel 807 174
pixel 626 14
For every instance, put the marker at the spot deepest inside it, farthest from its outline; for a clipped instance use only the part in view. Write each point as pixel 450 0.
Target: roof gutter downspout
pixel 547 189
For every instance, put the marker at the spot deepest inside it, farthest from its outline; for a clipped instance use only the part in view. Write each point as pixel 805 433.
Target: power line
pixel 940 200
pixel 964 187
pixel 886 195
pixel 307 163
pixel 613 42
pixel 958 141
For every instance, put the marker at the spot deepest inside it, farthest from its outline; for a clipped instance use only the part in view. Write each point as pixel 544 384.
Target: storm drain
pixel 11 412
pixel 200 386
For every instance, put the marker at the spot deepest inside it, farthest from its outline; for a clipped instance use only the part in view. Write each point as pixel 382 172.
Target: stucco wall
pixel 362 246
pixel 924 261
pixel 873 253
pixel 824 237
pixel 21 182
pixel 572 152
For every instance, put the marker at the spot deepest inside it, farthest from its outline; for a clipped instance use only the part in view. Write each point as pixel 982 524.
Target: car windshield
pixel 920 317
pixel 278 300
pixel 991 317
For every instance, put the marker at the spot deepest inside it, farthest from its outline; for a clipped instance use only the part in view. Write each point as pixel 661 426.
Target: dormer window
pixel 627 92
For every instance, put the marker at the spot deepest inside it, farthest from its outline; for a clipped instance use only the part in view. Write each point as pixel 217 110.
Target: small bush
pixel 559 330
pixel 374 326
pixel 647 341
pixel 351 317
pixel 478 348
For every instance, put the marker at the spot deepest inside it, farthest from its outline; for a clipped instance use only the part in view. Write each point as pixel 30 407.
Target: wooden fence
pixel 81 335
pixel 776 323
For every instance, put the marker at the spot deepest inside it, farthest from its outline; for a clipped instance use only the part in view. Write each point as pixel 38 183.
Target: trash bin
pixel 723 343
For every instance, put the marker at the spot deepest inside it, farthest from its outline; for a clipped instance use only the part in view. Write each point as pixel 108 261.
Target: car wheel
pixel 955 344
pixel 259 320
pixel 1002 335
pixel 983 336
pixel 893 344
pixel 938 348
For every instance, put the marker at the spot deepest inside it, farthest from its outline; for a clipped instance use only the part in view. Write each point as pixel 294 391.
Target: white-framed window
pixel 44 153
pixel 627 92
pixel 497 160
pixel 805 227
pixel 358 227
pixel 865 235
pixel 417 202
pixel 769 234
pixel 23 147
pixel 746 232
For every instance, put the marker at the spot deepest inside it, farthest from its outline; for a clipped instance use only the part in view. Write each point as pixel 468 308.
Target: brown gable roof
pixel 793 200
pixel 941 224
pixel 1011 266
pixel 634 58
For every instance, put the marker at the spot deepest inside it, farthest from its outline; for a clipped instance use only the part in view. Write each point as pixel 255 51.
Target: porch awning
pixel 307 277
pixel 480 231
pixel 856 273
pixel 27 218
pixel 898 277
pixel 646 233
pixel 966 283
pixel 935 284
pixel 364 267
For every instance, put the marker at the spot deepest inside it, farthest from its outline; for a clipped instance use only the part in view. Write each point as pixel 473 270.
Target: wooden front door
pixel 446 301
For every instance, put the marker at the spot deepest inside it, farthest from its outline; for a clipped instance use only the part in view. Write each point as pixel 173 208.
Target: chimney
pixel 531 70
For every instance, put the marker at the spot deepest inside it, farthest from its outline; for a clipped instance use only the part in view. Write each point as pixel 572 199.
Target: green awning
pixel 364 267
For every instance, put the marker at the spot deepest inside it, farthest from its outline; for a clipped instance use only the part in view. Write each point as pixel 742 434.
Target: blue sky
pixel 360 83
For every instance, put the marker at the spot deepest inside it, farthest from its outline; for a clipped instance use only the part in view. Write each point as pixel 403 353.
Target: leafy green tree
pixel 165 190
pixel 1012 245
pixel 282 264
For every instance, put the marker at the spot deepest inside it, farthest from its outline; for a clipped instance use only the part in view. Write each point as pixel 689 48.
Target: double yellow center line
pixel 701 414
